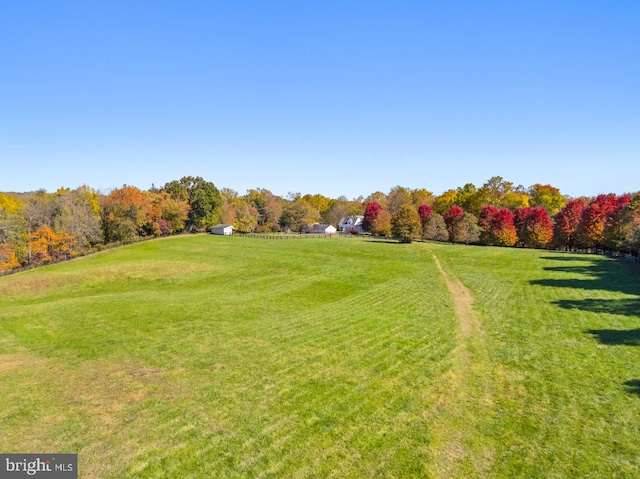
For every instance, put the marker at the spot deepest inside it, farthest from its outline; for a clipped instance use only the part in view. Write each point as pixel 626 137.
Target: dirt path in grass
pixel 458 452
pixel 469 319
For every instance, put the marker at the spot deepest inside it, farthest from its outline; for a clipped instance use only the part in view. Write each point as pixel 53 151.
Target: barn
pixel 226 230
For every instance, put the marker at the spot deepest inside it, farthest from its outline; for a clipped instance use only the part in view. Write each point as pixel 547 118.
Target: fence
pixel 285 236
pixel 606 252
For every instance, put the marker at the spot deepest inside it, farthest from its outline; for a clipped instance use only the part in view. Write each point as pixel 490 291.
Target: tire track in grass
pixel 460 450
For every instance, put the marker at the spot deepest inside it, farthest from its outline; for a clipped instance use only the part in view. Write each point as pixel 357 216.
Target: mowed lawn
pixel 202 356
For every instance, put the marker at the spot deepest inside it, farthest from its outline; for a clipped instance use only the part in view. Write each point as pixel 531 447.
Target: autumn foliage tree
pixel 424 212
pixel 45 245
pixel 12 230
pixel 77 212
pixel 467 230
pixel 8 258
pixel 246 217
pixel 613 230
pixel 168 215
pixel 269 208
pixel 451 218
pixel 398 197
pixel 445 201
pixel 547 197
pixel 405 224
pixel 297 213
pixel 600 219
pixel 497 227
pixel 381 224
pixel 371 211
pixel 629 239
pixel 566 224
pixel 534 227
pixel 435 228
pixel 126 214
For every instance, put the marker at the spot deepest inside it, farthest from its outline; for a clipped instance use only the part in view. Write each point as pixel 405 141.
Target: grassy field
pixel 203 356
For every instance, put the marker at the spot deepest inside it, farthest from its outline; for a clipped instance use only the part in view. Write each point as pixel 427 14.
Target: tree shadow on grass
pixel 633 386
pixel 604 276
pixel 623 307
pixel 617 337
pixel 570 257
pixel 600 274
pixel 390 241
pixel 596 274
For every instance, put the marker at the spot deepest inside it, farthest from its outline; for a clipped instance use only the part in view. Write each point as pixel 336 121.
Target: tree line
pixel 41 227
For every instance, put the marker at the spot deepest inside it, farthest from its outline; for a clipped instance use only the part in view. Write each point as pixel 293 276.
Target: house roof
pixel 221 226
pixel 354 220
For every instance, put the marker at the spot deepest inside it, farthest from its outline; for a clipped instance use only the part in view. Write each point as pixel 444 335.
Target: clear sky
pixel 333 97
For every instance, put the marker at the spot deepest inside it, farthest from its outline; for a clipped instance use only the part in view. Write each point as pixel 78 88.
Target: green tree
pixel 203 198
pixel 469 199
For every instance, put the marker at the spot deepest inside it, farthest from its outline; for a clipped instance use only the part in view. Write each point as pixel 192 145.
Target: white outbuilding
pixel 226 230
pixel 318 228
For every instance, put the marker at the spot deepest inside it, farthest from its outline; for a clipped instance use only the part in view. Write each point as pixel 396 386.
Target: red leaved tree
pixel 371 212
pixel 613 229
pixel 601 219
pixel 451 217
pixel 497 227
pixel 629 239
pixel 534 227
pixel 504 230
pixel 567 222
pixel 424 212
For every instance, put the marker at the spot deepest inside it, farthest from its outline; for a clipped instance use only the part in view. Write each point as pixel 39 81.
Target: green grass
pixel 560 361
pixel 203 356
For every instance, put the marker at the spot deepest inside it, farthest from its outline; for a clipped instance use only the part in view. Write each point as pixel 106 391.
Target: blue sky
pixel 333 97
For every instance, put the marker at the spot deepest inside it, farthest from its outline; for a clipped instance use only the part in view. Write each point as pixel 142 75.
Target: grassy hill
pixel 203 356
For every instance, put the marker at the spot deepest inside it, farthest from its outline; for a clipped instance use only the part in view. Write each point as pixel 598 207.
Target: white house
pixel 226 230
pixel 318 228
pixel 351 222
